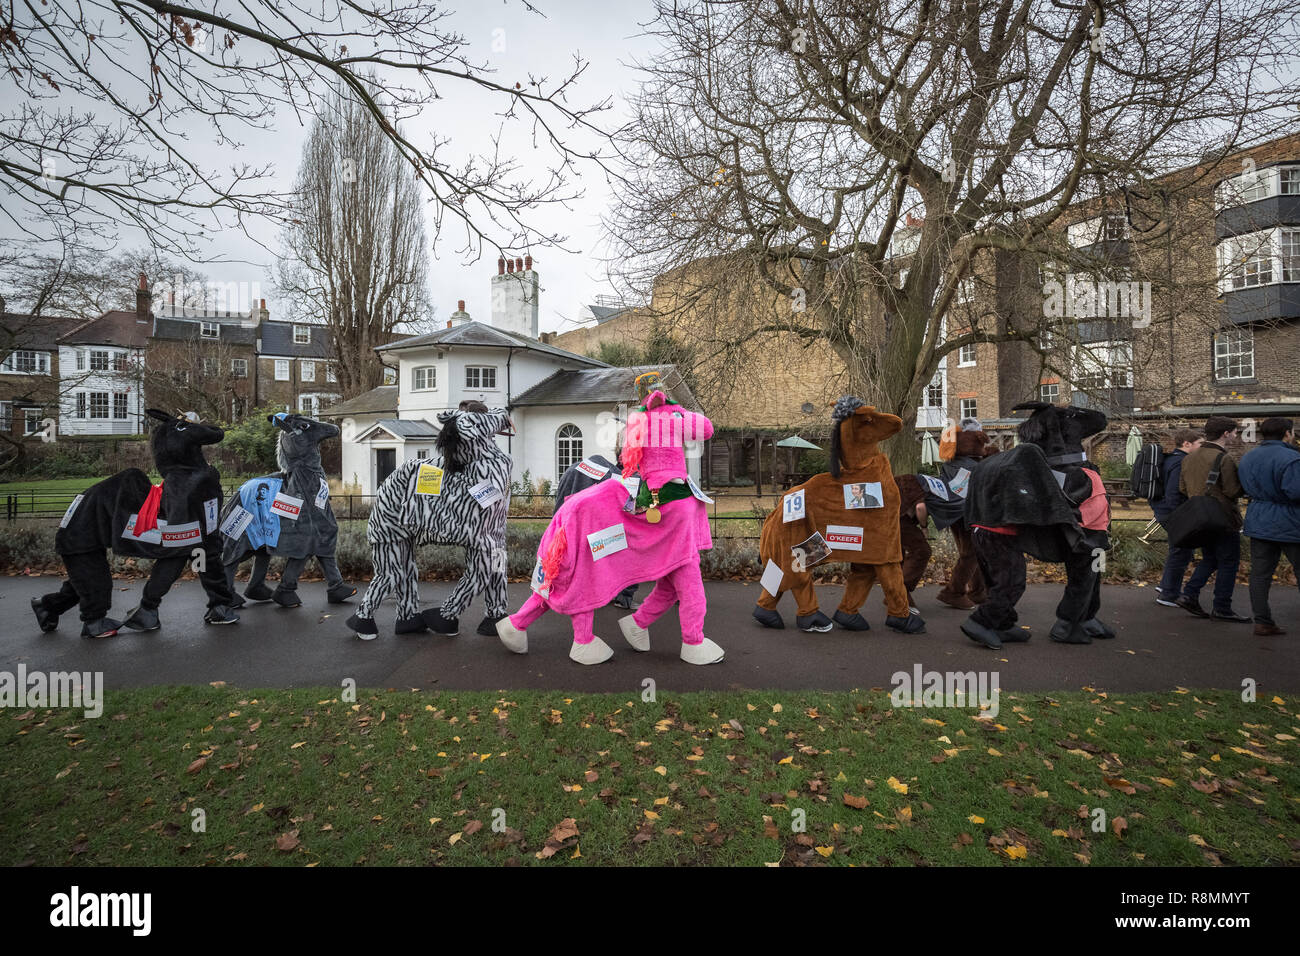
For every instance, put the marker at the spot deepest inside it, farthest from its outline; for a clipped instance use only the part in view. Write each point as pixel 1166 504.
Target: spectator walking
pixel 1270 476
pixel 1222 556
pixel 965 588
pixel 1186 441
pixel 912 522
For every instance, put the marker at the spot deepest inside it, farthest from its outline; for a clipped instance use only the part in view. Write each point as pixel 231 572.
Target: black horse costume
pixel 173 523
pixel 287 514
pixel 1043 498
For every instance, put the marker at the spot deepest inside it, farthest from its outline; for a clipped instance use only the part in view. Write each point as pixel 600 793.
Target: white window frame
pixel 331 373
pixel 307 370
pixel 1249 260
pixel 480 369
pixel 1234 347
pixel 966 356
pixel 972 412
pixel 239 368
pixel 306 335
pixel 100 355
pixel 125 405
pixel 6 416
pixel 81 360
pixel 390 376
pixel 1099 366
pixel 1247 186
pixel 282 371
pixel 424 378
pixel 211 366
pixel 40 362
pixel 564 448
pixel 81 406
pixel 31 421
pixel 309 405
pixel 1288 250
pixel 1043 394
pixel 210 330
pixel 107 404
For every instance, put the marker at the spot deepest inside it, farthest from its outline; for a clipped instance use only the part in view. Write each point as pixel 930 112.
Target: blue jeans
pixel 1171 581
pixel 1221 558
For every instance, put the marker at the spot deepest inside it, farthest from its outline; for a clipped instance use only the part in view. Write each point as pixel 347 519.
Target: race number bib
pixel 287 506
pixel 935 486
pixel 793 507
pixel 429 480
pixel 236 522
pixel 323 495
pixel 67 515
pixel 486 494
pixel 539 584
pixel 209 515
pixel 607 541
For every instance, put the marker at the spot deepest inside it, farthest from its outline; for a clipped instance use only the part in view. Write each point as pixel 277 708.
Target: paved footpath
pixel 1158 648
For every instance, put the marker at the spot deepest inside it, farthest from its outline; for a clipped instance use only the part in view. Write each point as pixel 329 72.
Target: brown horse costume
pixel 869 542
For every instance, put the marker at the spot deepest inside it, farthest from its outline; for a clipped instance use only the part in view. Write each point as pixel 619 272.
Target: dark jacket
pixel 1270 476
pixel 1017 488
pixel 575 479
pixel 1226 491
pixel 1171 469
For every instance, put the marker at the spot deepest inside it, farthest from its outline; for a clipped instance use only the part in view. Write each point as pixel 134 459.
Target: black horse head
pixel 299 444
pixel 177 442
pixel 1059 430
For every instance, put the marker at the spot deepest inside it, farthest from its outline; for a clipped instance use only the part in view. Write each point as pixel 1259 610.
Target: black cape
pixel 952 510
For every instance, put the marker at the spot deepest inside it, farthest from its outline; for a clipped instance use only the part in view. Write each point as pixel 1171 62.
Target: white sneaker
pixel 513 638
pixel 1162 600
pixel 596 652
pixel 705 652
pixel 638 637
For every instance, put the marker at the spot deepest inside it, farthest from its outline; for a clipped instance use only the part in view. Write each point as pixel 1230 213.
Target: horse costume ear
pixel 1033 406
pixel 160 415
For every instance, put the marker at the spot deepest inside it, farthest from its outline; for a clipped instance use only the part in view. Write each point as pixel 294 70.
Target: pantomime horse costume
pixel 1044 498
pixel 650 525
pixel 167 522
pixel 461 500
pixel 866 536
pixel 288 515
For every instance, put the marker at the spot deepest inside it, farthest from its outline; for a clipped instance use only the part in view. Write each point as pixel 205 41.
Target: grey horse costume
pixel 289 515
pixel 469 509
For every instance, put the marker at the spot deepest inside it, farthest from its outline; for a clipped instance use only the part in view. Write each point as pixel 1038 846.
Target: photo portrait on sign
pixel 863 494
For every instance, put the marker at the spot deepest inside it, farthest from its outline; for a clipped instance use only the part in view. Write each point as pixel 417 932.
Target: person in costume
pixel 913 518
pixel 965 586
pixel 173 522
pixel 650 525
pixel 868 538
pixel 1043 498
pixel 289 515
pixel 587 473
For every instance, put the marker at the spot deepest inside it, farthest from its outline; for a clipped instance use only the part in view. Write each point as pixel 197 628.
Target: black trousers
pixel 167 570
pixel 1264 556
pixel 1082 597
pixel 89 584
pixel 1003 565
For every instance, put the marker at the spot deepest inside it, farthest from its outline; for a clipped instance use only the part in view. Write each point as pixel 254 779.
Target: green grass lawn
pixel 303 777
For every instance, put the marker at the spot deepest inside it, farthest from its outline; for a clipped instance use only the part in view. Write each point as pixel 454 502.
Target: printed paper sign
pixel 235 523
pixel 592 470
pixel 287 506
pixel 793 507
pixel 632 483
pixel 697 491
pixel 67 515
pixel 180 535
pixel 810 551
pixel 323 495
pixel 153 536
pixel 935 486
pixel 209 515
pixel 960 483
pixel 607 541
pixel 772 577
pixel 1060 478
pixel 486 494
pixel 539 582
pixel 844 537
pixel 863 494
pixel 429 480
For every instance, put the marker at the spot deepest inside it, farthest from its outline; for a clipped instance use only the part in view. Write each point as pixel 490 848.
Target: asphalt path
pixel 1157 648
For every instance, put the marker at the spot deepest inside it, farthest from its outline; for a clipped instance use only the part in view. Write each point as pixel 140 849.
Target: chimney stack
pixel 143 301
pixel 501 265
pixel 528 263
pixel 460 305
pixel 510 265
pixel 519 265
pixel 460 316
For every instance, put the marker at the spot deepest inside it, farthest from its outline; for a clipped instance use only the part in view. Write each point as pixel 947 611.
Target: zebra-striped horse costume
pixel 407 513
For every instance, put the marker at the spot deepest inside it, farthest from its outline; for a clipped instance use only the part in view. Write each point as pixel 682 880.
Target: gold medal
pixel 652 515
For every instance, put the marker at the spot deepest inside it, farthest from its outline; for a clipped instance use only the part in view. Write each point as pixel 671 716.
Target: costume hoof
pixel 143 619
pixel 769 618
pixel 340 593
pixel 622 602
pixel 47 621
pixel 1015 635
pixel 817 623
pixel 594 652
pixel 258 593
pixel 981 635
pixel 488 626
pixel 104 627
pixel 705 652
pixel 852 622
pixel 637 636
pixel 441 625
pixel 513 638
pixel 912 624
pixel 1066 632
pixel 411 625
pixel 237 601
pixel 1097 630
pixel 363 627
pixel 220 615
pixel 288 599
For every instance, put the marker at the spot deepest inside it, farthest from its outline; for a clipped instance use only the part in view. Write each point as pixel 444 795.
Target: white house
pixel 564 406
pixel 101 367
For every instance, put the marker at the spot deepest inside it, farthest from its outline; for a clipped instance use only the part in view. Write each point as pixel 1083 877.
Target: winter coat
pixel 1270 476
pixel 1171 469
pixel 1226 491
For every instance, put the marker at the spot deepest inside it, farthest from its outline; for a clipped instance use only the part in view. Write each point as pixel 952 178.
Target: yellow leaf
pixel 786 760
pixel 454 839
pixel 432 821
pixel 950 751
pixel 650 815
pixel 776 708
pixel 1278 700
pixel 660 801
pixel 974 819
pixel 1060 833
pixel 932 722
pixel 1017 852
pixel 751 707
pixel 994 753
pixel 482 757
pixel 825 850
pixel 896 786
pixel 840 778
pixel 1164 780
pixel 662 771
pixel 301 743
pixel 905 813
pixel 944 739
pixel 1197 840
pixel 577 852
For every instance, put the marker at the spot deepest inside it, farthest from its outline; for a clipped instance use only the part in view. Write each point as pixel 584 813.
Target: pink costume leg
pixel 661 598
pixel 583 624
pixel 689 585
pixel 533 608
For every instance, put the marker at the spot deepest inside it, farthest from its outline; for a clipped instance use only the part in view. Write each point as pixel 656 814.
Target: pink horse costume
pixel 650 526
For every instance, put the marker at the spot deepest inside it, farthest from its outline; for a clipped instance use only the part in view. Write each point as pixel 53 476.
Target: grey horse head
pixel 469 435
pixel 298 448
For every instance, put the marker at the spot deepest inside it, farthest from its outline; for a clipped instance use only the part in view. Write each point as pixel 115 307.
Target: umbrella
pixel 794 441
pixel 1133 448
pixel 929 450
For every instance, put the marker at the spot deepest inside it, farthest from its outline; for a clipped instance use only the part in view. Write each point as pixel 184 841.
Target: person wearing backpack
pixel 1223 554
pixel 1186 441
pixel 1270 475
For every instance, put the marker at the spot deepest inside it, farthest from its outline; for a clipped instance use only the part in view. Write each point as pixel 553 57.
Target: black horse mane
pixel 451 446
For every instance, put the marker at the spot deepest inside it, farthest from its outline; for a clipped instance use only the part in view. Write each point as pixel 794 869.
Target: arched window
pixel 568 448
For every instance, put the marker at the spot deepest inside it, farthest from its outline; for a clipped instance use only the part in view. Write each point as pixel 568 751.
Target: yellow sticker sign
pixel 429 481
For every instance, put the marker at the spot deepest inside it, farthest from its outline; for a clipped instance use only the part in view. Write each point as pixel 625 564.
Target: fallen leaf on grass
pixel 897 786
pixel 286 842
pixel 197 765
pixel 857 803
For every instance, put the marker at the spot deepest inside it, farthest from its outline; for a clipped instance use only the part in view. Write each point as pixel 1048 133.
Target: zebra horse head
pixel 469 432
pixel 298 448
pixel 177 441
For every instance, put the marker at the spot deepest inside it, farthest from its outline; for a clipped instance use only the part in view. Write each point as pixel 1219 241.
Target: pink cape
pixel 582 583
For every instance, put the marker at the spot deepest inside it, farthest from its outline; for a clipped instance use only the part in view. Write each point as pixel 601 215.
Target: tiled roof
pixel 277 339
pixel 600 386
pixel 36 332
pixel 117 327
pixel 486 336
pixel 185 330
pixel 404 428
pixel 375 401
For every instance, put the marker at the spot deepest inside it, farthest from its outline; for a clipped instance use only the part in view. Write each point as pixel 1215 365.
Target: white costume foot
pixel 703 653
pixel 638 637
pixel 513 638
pixel 596 652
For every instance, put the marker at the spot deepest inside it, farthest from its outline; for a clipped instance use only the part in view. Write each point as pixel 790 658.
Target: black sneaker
pixel 768 618
pixel 340 592
pixel 47 620
pixel 286 598
pixel 1191 606
pixel 143 619
pixel 441 625
pixel 815 623
pixel 363 627
pixel 1232 616
pixel 258 593
pixel 104 627
pixel 851 622
pixel 220 614
pixel 236 601
pixel 1165 600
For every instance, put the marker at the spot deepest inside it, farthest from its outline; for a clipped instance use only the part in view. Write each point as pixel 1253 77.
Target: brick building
pixel 29 372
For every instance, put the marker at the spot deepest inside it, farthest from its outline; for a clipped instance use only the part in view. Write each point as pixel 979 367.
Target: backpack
pixel 1146 480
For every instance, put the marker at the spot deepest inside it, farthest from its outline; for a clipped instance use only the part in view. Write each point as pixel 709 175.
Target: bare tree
pixel 830 173
pixel 357 253
pixel 113 108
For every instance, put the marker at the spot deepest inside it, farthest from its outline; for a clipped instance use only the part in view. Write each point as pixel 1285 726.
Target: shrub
pixel 253 441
